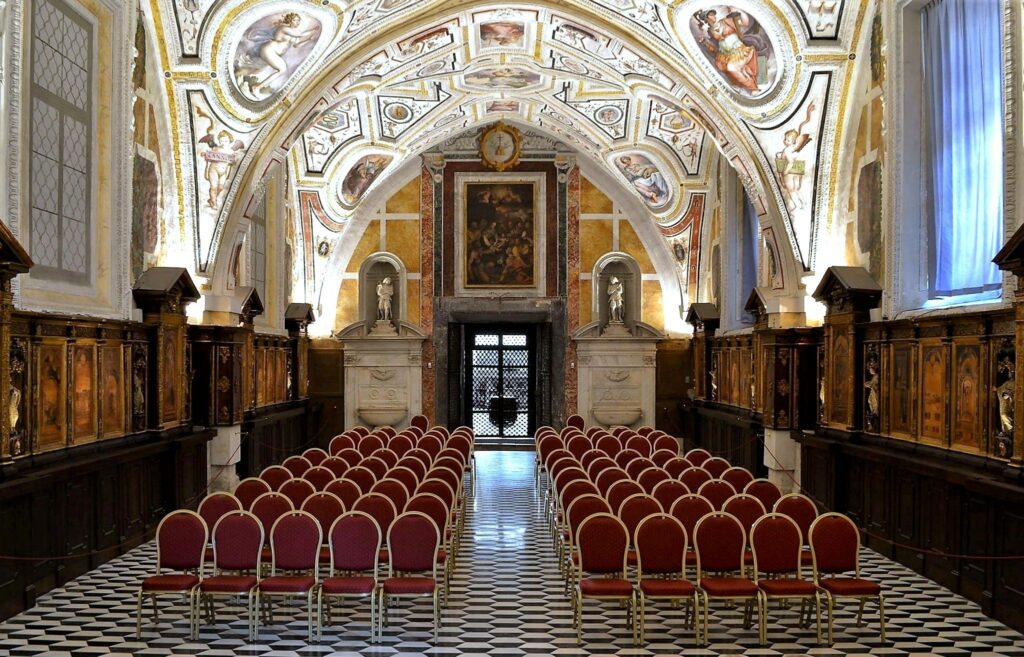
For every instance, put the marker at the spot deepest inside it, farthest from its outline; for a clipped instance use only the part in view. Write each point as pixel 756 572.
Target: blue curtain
pixel 963 74
pixel 749 255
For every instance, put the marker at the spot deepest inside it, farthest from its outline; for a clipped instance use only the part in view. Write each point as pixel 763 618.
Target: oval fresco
pixel 362 174
pixel 271 50
pixel 646 178
pixel 738 47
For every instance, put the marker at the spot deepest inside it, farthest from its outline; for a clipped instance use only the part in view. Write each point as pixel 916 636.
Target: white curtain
pixel 963 74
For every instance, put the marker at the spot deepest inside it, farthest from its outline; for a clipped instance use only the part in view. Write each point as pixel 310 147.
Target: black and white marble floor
pixel 507 601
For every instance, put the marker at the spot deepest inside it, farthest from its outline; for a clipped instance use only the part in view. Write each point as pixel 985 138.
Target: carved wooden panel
pixel 934 382
pixel 966 403
pixel 52 396
pixel 902 386
pixel 113 390
pixel 840 378
pixel 83 393
pixel 171 363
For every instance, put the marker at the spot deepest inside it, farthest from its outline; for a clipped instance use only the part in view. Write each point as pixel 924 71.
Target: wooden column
pixel 1011 258
pixel 14 260
pixel 297 317
pixel 704 319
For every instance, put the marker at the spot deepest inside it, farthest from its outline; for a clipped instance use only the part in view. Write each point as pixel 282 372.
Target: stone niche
pixel 617 362
pixel 383 357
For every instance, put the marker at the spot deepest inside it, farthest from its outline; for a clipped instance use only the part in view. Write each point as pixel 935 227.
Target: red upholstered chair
pixel 378 507
pixel 688 510
pixel 578 446
pixel 738 477
pixel 345 490
pixel 662 456
pixel 295 564
pixel 326 508
pixel 623 458
pixel 720 543
pixel 420 422
pixel 621 490
pixel 609 477
pixel 249 489
pixel 651 477
pixel 464 445
pixel 355 541
pixel 619 432
pixel 610 445
pixel 566 476
pixel 341 442
pixel 237 550
pixel 378 466
pixel 603 544
pixel 457 468
pixel 546 443
pixel 803 512
pixel 215 505
pixel 645 430
pixel 296 465
pixel 403 474
pixel 599 465
pixel 421 455
pixel 389 456
pixel 835 544
pixel 695 477
pixel 315 455
pixel 362 477
pixel 717 466
pixel 665 442
pixel 776 544
pixel 414 464
pixel 387 432
pixel 576 422
pixel 450 453
pixel 667 492
pixel 400 445
pixel 578 510
pixel 369 444
pixel 394 490
pixel 338 467
pixel 319 476
pixel 634 509
pixel 747 509
pixel 350 456
pixel 358 432
pixel 180 547
pixel 413 544
pixel 571 491
pixel 268 508
pixel 449 477
pixel 636 466
pixel 698 456
pixel 296 490
pixel 432 445
pixel 440 488
pixel 765 491
pixel 589 457
pixel 677 466
pixel 434 507
pixel 275 475
pixel 717 492
pixel 660 542
pixel 641 444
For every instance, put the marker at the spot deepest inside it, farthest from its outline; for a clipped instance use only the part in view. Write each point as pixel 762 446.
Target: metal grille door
pixel 499 376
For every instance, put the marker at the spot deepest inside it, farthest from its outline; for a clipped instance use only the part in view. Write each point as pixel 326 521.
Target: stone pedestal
pixel 782 458
pixel 617 375
pixel 224 453
pixel 383 375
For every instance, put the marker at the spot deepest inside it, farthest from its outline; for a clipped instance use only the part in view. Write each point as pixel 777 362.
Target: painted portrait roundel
pixel 738 47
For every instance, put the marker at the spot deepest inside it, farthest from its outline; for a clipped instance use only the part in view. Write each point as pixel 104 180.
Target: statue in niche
pixel 1005 395
pixel 871 384
pixel 616 300
pixel 385 290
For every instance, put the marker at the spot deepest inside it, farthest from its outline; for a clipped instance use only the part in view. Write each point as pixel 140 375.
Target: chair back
pixel 747 509
pixel 689 509
pixel 379 507
pixel 603 542
pixel 394 490
pixel 610 445
pixel 660 542
pixel 599 465
pixel 339 443
pixel 626 456
pixel 663 442
pixel 676 466
pixel 269 507
pixel 568 475
pixel 636 466
pixel 574 489
pixel 360 432
pixel 720 542
pixel 421 455
pixel 717 492
pixel 350 456
pixel 326 508
pixel 801 509
pixel 297 465
pixel 695 477
pixel 546 445
pixel 338 467
pixel 455 454
pixel 295 542
pixel 698 456
pixel 378 466
pixel 369 444
pixel 765 491
pixel 717 466
pixel 738 477
pixel 355 540
pixel 216 505
pixel 413 542
pixel 662 456
pixel 362 477
pixel 315 455
pixel 400 445
pixel 668 491
pixel 249 489
pixel 297 490
pixel 414 465
pixel 582 508
pixel 448 463
pixel 422 422
pixel 275 475
pixel 641 444
pixel 453 480
pixel 432 445
pixel 440 488
pixel 651 477
pixel 403 474
pixel 578 446
pixel 387 455
pixel 635 508
pixel 576 422
pixel 620 491
pixel 238 541
pixel 835 544
pixel 345 490
pixel 181 539
pixel 463 444
pixel 776 543
pixel 432 506
pixel 609 478
pixel 319 476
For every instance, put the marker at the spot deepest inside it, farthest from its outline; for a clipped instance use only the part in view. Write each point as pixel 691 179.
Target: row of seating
pixel 292 531
pixel 608 520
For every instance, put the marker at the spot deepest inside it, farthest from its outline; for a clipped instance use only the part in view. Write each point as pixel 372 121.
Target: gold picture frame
pixel 501 146
pixel 499 237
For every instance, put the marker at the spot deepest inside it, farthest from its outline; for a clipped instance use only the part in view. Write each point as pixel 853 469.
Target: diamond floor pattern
pixel 507 601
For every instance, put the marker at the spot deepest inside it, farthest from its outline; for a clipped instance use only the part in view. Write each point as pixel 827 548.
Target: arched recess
pixel 610 264
pixel 367 287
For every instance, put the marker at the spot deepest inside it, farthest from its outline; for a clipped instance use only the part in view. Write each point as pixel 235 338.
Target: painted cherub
pixel 221 152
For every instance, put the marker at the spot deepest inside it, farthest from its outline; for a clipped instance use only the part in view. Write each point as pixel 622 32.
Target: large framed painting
pixel 500 234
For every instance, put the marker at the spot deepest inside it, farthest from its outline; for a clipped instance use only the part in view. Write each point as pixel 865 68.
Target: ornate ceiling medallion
pixel 500 146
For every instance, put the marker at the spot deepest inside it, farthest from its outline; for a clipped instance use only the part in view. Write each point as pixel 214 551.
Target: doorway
pixel 499 391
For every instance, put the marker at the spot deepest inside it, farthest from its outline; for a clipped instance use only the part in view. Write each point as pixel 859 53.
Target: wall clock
pixel 500 146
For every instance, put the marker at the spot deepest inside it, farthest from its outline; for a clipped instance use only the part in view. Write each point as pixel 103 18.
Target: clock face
pixel 499 147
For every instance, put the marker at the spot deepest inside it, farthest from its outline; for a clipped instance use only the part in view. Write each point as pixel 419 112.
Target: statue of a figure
pixel 616 300
pixel 385 290
pixel 1004 396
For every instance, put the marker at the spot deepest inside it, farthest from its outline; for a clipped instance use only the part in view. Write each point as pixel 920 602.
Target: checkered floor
pixel 507 601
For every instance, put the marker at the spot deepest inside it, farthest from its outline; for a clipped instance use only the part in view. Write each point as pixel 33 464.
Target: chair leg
pixel 254 618
pixel 642 616
pixel 631 615
pixel 881 615
pixel 830 603
pixel 156 613
pixel 817 613
pixel 437 615
pixel 707 604
pixel 762 618
pixel 138 615
pixel 320 616
pixel 860 613
pixel 578 617
pixel 694 608
pixel 309 615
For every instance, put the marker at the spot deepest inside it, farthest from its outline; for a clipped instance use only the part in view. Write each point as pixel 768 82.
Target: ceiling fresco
pixel 342 93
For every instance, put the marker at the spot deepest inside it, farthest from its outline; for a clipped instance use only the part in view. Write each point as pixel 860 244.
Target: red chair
pixel 435 508
pixel 296 490
pixel 216 505
pixel 717 492
pixel 599 465
pixel 315 455
pixel 360 432
pixel 421 455
pixel 667 492
pixel 664 442
pixel 403 474
pixel 237 550
pixel 688 510
pixel 378 507
pixel 319 476
pixel 720 543
pixel 341 442
pixel 835 544
pixel 457 468
pixel 345 490
pixel 677 466
pixel 295 548
pixel 776 544
pixel 440 488
pixel 576 422
pixel 296 465
pixel 636 466
pixel 620 491
pixel 400 445
pixel 603 544
pixel 268 508
pixel 275 475
pixel 414 465
pixel 463 444
pixel 698 456
pixel 803 512
pixel 589 457
pixel 249 489
pixel 765 491
pixel 421 422
pixel 546 444
pixel 640 444
pixel 180 546
pixel 432 445
pixel 578 510
pixel 450 453
pixel 695 477
pixel 378 466
pixel 716 466
pixel 634 509
pixel 369 444
pixel 413 544
pixel 578 446
pixel 355 541
pixel 338 467
pixel 662 456
pixel 661 545
pixel 623 458
pixel 394 490
pixel 387 455
pixel 747 509
pixel 362 477
pixel 447 476
pixel 609 478
pixel 738 477
pixel 326 508
pixel 610 445
pixel 350 456
pixel 651 477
